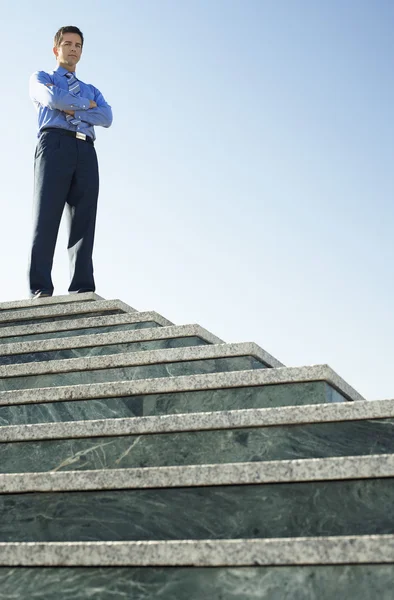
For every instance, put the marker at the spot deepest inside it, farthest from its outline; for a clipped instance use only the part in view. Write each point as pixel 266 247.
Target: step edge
pixel 209 475
pixel 327 550
pixel 108 339
pixel 62 299
pixel 200 421
pixel 141 358
pixel 183 383
pixel 57 326
pixel 59 310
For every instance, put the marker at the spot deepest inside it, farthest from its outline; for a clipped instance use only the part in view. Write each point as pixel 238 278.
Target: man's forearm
pixel 72 112
pixel 100 116
pixel 49 95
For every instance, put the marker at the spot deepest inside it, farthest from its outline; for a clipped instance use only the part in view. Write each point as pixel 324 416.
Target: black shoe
pixel 40 294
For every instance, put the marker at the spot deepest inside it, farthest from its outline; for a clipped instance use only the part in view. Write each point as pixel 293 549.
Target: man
pixel 65 166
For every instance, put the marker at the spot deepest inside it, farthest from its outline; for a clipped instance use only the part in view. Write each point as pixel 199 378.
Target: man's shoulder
pixel 42 76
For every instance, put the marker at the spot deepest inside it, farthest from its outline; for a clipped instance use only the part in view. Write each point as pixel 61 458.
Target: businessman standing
pixel 65 166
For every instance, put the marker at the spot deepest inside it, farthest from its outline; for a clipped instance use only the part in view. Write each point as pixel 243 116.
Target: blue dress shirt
pixel 51 100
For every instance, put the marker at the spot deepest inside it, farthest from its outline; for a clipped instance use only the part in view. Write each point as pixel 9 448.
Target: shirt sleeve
pixel 101 115
pixel 53 97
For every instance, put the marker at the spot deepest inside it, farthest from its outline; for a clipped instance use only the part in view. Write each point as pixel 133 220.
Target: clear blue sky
pixel 247 181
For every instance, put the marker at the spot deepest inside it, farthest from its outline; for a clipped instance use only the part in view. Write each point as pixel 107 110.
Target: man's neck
pixel 69 69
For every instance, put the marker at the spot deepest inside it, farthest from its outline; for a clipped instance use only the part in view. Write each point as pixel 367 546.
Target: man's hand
pixel 69 112
pixel 93 104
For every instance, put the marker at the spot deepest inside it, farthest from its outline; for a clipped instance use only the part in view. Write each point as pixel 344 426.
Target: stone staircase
pixel 139 460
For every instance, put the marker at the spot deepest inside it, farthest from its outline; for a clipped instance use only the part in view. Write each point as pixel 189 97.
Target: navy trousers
pixel 65 175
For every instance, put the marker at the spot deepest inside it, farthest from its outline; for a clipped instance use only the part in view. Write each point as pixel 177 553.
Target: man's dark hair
pixel 69 29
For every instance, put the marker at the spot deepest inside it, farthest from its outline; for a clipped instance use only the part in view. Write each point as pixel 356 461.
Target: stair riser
pixel 51 319
pixel 163 344
pixel 353 582
pixel 291 394
pixel 77 332
pixel 318 440
pixel 334 508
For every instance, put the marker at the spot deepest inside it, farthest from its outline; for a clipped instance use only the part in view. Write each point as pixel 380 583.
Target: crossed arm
pixel 46 93
pixel 72 112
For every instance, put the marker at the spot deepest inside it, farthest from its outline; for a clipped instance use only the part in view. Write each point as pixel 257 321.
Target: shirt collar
pixel 63 71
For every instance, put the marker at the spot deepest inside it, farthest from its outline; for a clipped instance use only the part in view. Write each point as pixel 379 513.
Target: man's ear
pixel 55 51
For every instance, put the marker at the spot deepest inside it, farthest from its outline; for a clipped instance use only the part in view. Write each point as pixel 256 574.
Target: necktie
pixel 73 88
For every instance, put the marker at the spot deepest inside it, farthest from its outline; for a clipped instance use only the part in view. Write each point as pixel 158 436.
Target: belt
pixel 74 134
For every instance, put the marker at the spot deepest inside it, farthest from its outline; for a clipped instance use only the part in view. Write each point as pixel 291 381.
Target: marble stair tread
pixel 164 385
pixel 62 311
pixel 214 351
pixel 329 550
pixel 204 421
pixel 108 339
pixel 213 443
pixel 66 299
pixel 210 475
pixel 170 403
pixel 92 325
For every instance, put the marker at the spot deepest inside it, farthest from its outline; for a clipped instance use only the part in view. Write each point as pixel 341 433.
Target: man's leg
pixel 81 212
pixel 53 172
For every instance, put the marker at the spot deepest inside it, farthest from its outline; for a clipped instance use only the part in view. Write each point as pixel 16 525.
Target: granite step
pixel 82 326
pixel 106 344
pixel 379 467
pixel 362 413
pixel 137 365
pixel 277 499
pixel 53 300
pixel 34 315
pixel 261 388
pixel 197 439
pixel 344 568
pixel 343 582
pixel 355 550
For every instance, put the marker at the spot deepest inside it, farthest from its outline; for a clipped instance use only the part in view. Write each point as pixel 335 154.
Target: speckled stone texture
pixel 201 447
pixel 78 310
pixel 104 339
pixel 322 550
pixel 347 582
pixel 106 343
pixel 288 510
pixel 170 403
pixel 101 350
pixel 71 327
pixel 246 473
pixel 147 371
pixel 164 385
pixel 338 412
pixel 67 299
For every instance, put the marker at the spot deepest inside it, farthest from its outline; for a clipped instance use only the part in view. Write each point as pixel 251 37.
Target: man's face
pixel 68 53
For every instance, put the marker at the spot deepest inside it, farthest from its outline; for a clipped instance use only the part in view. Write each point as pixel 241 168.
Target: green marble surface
pixel 51 319
pixel 77 332
pixel 349 582
pixel 318 508
pixel 317 440
pixel 162 344
pixel 238 363
pixel 289 394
